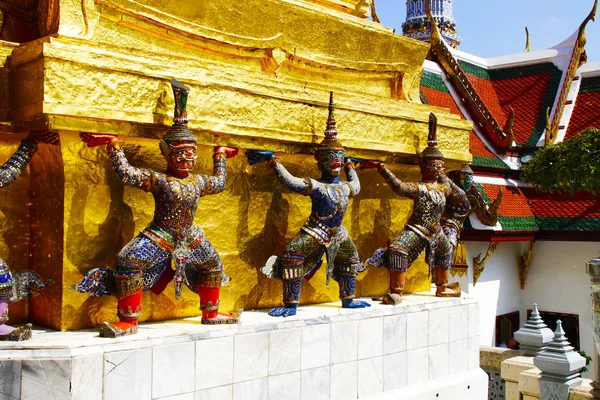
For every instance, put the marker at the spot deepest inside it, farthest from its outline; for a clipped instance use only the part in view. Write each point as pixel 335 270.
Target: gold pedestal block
pixel 259 74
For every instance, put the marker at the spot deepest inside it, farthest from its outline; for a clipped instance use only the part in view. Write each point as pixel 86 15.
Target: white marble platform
pixel 324 352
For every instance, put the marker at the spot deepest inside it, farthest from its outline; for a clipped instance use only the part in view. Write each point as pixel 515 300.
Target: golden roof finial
pixel 374 13
pixel 526 40
pixel 549 134
pixel 509 126
pixel 581 39
pixel 436 36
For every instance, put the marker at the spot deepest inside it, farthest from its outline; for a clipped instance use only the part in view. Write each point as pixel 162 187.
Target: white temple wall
pixel 497 290
pixel 558 282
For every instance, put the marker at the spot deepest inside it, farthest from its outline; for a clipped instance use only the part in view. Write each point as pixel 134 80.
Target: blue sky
pixel 496 28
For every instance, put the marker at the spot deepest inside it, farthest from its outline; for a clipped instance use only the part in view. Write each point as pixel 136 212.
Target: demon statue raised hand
pixel 145 262
pixel 323 232
pixel 438 212
pixel 18 285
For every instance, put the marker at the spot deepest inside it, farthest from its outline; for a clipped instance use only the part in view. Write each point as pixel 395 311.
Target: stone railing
pixel 522 380
pixel 490 360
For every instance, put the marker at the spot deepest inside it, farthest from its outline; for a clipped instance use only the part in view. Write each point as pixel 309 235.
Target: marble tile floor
pixel 322 352
pixel 50 343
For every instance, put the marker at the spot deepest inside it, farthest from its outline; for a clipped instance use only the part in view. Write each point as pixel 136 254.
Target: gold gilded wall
pixel 14 223
pixel 260 73
pixel 251 220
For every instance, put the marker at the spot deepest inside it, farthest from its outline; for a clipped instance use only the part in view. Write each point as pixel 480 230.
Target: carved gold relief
pixel 524 262
pixel 479 264
pixel 459 265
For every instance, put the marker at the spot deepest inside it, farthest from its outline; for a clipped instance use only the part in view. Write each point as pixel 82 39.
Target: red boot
pixel 209 304
pixel 129 309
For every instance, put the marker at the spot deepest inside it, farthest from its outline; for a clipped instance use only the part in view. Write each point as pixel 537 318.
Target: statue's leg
pixel 205 272
pixel 444 255
pixel 346 264
pixel 400 255
pixel 301 248
pixel 138 265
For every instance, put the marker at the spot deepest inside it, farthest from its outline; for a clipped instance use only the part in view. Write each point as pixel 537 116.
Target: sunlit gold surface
pixel 250 221
pixel 14 224
pixel 259 74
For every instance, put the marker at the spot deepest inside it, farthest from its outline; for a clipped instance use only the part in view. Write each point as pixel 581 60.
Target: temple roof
pixel 554 95
pixel 436 91
pixel 586 113
pixel 549 215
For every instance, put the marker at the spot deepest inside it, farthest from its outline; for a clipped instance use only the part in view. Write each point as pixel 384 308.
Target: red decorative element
pixel 134 303
pixel 209 296
pixel 163 281
pixel 525 94
pixel 585 115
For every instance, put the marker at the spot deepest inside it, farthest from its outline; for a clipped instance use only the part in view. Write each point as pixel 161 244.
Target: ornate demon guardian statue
pixel 17 286
pixel 438 213
pixel 486 212
pixel 145 262
pixel 323 232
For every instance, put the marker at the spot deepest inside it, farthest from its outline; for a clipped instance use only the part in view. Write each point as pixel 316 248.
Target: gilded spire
pixel 476 107
pixel 331 129
pixel 577 59
pixel 509 125
pixel 526 40
pixel 330 142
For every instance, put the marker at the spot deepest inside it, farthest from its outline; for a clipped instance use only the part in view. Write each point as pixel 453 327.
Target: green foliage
pixel 588 360
pixel 569 166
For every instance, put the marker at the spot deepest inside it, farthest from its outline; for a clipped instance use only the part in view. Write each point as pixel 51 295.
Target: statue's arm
pixel 405 189
pixel 141 178
pixel 288 180
pixel 216 182
pixel 352 177
pixel 457 207
pixel 12 168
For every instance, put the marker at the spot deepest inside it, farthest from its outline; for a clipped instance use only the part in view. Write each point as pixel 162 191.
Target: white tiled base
pixel 471 385
pixel 423 347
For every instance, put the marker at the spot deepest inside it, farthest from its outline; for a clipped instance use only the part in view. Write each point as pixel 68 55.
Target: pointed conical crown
pixel 466 168
pixel 330 142
pixel 179 131
pixel 431 151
